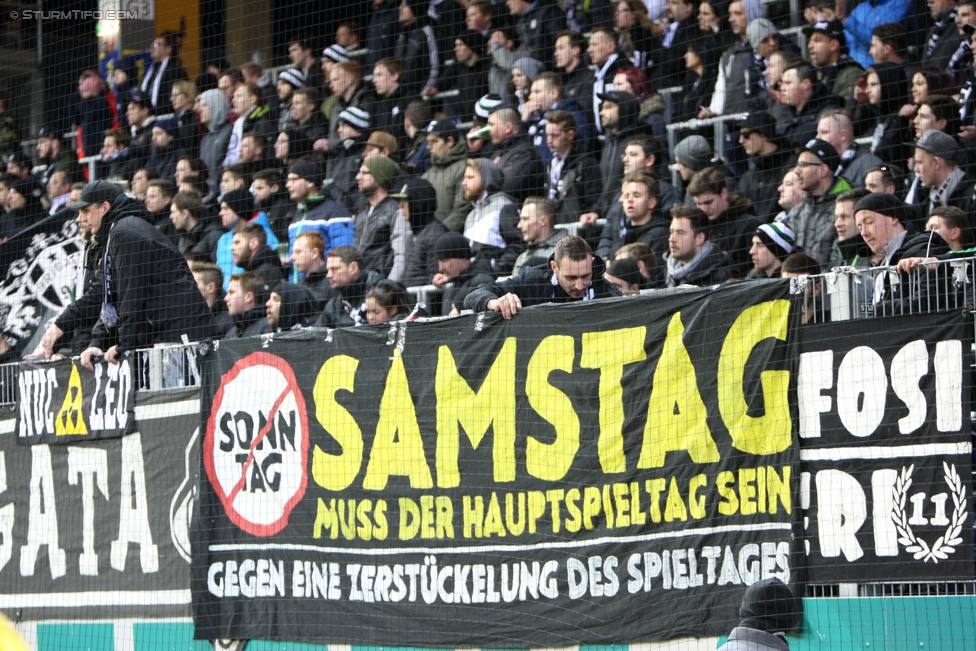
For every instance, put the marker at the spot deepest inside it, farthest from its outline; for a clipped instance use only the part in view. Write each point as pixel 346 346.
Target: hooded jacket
pixel 148 282
pixel 446 174
pixel 298 308
pixel 537 286
pixel 523 174
pixel 492 224
pixel 654 233
pixel 341 170
pixel 265 263
pixel 739 81
pixel 892 137
pixel 384 238
pixel 760 183
pixel 213 145
pixel 813 223
pixel 768 607
pixel 422 258
pixel 611 160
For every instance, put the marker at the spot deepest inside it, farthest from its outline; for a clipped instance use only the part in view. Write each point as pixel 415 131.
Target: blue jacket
pixel 330 218
pixel 868 15
pixel 225 259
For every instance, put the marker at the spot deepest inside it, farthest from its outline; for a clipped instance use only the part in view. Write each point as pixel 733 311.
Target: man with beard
pixel 573 274
pixel 607 61
pixel 252 254
pixel 492 225
pixel 245 300
pixel 382 236
pixel 267 189
pixel 49 153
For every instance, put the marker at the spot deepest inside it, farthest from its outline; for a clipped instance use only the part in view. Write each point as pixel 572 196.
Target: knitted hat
pixel 473 40
pixel 530 67
pixel 885 204
pixel 693 151
pixel 759 29
pixel 484 106
pixel 382 139
pixel 308 170
pixel 355 117
pixel 778 238
pixel 384 170
pixel 169 126
pixel 335 53
pixel 769 605
pixel 241 202
pixel 293 76
pixel 452 245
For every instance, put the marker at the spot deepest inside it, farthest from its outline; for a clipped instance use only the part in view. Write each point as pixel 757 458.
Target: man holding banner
pixel 574 274
pixel 148 294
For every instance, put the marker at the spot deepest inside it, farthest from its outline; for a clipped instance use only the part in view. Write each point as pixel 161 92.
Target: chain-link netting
pixel 464 324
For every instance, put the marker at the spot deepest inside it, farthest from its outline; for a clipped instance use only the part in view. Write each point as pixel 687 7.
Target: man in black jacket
pixel 574 274
pixel 577 78
pixel 210 282
pixel 618 115
pixel 348 277
pixel 166 69
pixel 757 135
pixel 692 258
pixel 307 259
pixel 573 179
pixel 252 253
pixel 639 201
pixel 523 174
pixel 536 24
pixel 148 294
pixel 416 48
pixel 456 268
pixel 245 303
pixel 668 56
pixel 731 221
pixel 198 236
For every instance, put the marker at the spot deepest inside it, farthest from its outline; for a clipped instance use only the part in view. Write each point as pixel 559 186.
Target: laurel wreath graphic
pixel 946 543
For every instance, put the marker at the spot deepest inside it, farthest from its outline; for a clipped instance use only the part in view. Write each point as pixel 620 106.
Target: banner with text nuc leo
pixel 581 474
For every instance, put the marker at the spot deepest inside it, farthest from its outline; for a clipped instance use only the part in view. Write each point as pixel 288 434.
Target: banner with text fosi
pixel 574 475
pixel 886 449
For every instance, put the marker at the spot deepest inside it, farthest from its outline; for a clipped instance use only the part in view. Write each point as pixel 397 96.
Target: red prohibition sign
pixel 268 381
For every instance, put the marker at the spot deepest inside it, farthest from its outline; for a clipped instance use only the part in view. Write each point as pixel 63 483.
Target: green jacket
pixel 813 224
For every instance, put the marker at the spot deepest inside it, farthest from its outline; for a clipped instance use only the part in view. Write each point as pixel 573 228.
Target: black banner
pixel 577 475
pixel 61 402
pixel 886 449
pixel 100 530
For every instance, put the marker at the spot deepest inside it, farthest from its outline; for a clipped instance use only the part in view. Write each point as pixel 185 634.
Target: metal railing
pixel 164 366
pixel 847 293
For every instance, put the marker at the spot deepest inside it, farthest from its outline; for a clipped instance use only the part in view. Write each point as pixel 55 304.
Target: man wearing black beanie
pixel 768 611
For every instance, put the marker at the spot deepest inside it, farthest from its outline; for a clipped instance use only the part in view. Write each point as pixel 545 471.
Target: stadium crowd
pixel 321 197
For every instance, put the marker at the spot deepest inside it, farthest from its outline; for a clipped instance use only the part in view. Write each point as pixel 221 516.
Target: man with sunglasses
pixel 813 222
